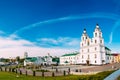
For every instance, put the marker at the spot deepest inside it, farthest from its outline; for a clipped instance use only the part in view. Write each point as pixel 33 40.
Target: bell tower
pixel 84 38
pixel 97 35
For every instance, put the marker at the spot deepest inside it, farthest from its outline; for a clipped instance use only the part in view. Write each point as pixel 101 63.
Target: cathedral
pixel 92 50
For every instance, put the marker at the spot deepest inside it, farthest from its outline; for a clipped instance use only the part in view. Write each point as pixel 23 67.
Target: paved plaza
pixel 84 68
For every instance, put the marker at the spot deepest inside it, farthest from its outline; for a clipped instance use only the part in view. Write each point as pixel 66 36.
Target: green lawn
pixel 13 76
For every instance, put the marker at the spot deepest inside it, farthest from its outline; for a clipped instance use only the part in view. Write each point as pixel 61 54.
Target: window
pixel 100 41
pixel 83 38
pixel 82 44
pixel 95 61
pixel 95 34
pixel 99 34
pixel 88 43
pixel 110 58
pixel 82 56
pixel 95 48
pixel 95 41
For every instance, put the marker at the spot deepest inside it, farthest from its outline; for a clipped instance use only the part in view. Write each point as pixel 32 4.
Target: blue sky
pixel 55 26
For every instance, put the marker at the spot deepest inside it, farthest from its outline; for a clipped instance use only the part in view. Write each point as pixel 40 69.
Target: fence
pixel 35 73
pixel 113 76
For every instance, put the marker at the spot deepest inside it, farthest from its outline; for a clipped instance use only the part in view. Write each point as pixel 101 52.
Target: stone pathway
pixel 102 68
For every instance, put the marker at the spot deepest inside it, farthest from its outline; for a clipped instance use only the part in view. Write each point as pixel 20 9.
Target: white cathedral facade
pixel 92 50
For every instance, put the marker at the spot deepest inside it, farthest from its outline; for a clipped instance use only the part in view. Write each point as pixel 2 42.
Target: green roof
pixel 55 60
pixel 109 54
pixel 107 48
pixel 71 54
pixel 31 59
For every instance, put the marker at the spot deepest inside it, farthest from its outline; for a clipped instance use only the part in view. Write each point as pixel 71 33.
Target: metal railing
pixel 113 76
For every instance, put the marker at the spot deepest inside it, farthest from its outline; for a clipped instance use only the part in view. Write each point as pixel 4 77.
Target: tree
pixel 18 59
pixel 22 60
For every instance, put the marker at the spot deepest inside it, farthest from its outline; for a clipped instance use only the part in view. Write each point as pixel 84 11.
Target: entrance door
pixel 88 62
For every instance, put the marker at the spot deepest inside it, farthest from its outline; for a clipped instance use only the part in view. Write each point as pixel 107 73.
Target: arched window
pixel 88 43
pixel 95 48
pixel 99 34
pixel 100 41
pixel 95 34
pixel 95 61
pixel 83 38
pixel 82 56
pixel 95 41
pixel 82 44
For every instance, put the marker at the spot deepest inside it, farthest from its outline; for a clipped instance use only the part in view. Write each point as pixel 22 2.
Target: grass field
pixel 14 76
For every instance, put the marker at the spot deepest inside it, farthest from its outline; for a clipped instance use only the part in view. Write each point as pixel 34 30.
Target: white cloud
pixel 67 42
pixel 7 42
pixel 74 42
pixel 49 40
pixel 12 47
pixel 32 51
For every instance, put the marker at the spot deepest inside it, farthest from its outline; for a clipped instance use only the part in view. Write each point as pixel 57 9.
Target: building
pixel 49 60
pixel 25 55
pixel 109 55
pixel 116 57
pixel 46 60
pixel 68 58
pixel 33 61
pixel 92 50
pixel 55 61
